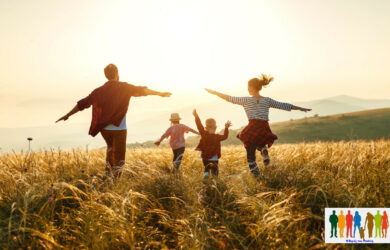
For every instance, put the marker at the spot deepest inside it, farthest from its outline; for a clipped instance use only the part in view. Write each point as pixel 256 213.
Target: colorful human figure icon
pixel 333 219
pixel 378 222
pixel 361 232
pixel 356 222
pixel 385 224
pixel 349 220
pixel 341 223
pixel 369 223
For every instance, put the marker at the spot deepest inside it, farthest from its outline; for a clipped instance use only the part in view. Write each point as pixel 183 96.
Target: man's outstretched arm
pixel 72 112
pixel 81 105
pixel 154 92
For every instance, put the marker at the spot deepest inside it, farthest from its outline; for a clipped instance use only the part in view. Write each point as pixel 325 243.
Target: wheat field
pixel 61 199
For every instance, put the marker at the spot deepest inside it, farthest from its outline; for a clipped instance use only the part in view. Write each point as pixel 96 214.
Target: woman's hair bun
pixel 265 79
pixel 258 82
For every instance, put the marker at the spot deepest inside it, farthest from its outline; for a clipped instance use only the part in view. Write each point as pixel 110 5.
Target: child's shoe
pixel 254 169
pixel 206 177
pixel 176 165
pixel 264 154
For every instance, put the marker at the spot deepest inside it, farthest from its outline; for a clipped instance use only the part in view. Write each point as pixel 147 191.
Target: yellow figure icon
pixel 341 224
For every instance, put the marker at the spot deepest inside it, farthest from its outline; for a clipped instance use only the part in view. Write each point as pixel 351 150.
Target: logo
pixel 356 225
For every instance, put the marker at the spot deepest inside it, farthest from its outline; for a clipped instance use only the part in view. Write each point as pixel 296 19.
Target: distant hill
pixel 363 103
pixel 222 111
pixel 151 124
pixel 366 125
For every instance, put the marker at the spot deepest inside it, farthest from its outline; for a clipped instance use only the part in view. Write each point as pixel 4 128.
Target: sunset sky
pixel 52 53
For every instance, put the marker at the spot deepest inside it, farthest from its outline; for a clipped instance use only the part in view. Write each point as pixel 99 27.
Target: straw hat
pixel 175 117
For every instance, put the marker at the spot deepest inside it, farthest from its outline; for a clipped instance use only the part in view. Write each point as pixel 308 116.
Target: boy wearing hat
pixel 176 133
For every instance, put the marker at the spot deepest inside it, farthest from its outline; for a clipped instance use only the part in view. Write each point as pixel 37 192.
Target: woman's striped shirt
pixel 258 108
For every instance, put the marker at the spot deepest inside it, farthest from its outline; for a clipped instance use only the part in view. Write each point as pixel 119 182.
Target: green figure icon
pixel 333 221
pixel 370 223
pixel 341 224
pixel 378 221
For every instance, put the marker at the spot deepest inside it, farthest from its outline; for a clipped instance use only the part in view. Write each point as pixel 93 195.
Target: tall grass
pixel 53 199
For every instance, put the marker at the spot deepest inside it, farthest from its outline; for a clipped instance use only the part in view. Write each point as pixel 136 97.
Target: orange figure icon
pixel 385 224
pixel 370 223
pixel 349 220
pixel 341 223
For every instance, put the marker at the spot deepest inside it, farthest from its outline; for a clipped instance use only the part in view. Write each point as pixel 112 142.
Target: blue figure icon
pixel 356 222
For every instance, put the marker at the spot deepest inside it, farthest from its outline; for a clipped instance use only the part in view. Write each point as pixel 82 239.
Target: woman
pixel 257 134
pixel 385 224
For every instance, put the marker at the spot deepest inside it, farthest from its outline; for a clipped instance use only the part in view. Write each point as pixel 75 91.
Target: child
pixel 210 144
pixel 257 134
pixel 177 142
pixel 361 232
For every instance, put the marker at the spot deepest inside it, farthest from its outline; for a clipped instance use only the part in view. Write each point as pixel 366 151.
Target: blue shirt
pixel 122 126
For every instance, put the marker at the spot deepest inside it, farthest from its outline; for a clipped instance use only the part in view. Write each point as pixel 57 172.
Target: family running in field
pixel 110 104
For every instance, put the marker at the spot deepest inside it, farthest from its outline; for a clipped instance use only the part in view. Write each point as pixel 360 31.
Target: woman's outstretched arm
pixel 220 95
pixel 285 106
pixel 300 108
pixel 72 112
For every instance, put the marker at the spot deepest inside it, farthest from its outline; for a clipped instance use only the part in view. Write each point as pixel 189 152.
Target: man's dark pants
pixel 116 149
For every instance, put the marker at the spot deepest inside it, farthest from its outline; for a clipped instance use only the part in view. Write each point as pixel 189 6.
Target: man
pixel 378 221
pixel 349 220
pixel 333 221
pixel 370 223
pixel 356 222
pixel 110 103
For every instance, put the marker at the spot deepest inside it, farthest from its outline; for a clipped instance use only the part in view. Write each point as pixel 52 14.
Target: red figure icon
pixel 385 224
pixel 349 219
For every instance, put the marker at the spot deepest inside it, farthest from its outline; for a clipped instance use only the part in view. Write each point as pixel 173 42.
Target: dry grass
pixel 54 199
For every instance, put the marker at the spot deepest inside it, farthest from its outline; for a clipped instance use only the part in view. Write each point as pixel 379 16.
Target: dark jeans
pixel 251 158
pixel 178 156
pixel 211 166
pixel 116 149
